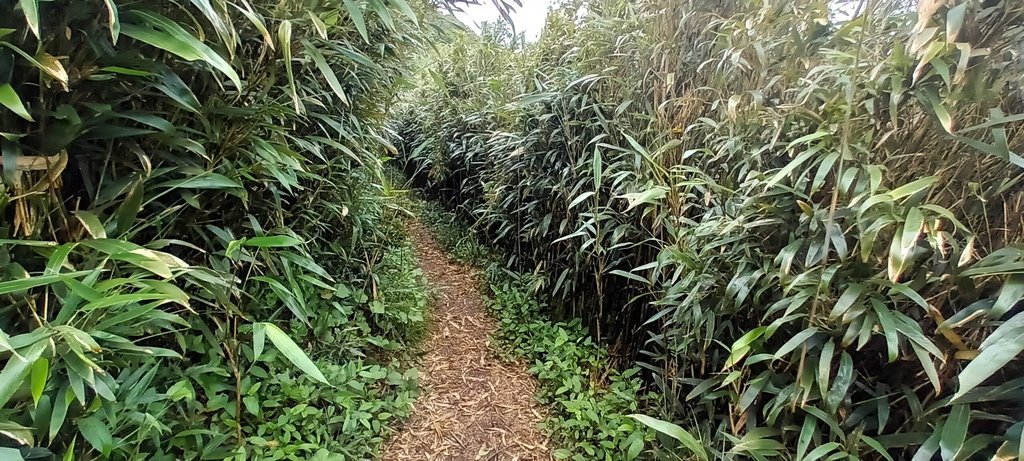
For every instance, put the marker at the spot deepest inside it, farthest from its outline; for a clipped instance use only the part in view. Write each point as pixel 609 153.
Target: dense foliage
pixel 802 218
pixel 199 257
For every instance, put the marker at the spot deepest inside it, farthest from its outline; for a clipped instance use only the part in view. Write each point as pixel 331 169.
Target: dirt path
pixel 474 406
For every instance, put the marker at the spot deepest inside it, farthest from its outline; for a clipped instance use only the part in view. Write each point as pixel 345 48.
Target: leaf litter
pixel 475 405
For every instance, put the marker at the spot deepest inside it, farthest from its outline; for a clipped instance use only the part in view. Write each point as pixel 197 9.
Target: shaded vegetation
pixel 801 219
pixel 200 257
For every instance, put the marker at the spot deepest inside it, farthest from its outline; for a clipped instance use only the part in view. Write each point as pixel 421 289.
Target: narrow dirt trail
pixel 474 405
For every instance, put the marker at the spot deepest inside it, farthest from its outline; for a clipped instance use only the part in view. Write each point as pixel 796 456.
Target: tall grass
pixel 803 219
pixel 194 228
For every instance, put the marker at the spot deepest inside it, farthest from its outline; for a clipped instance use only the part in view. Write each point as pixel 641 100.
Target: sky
pixel 528 18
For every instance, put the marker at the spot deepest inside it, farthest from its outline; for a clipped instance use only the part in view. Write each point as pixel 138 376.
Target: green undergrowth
pixel 453 235
pixel 588 402
pixel 362 343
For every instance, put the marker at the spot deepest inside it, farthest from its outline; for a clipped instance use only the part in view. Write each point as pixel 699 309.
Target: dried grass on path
pixel 474 406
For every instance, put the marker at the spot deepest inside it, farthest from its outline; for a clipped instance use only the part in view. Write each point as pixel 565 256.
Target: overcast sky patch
pixel 528 18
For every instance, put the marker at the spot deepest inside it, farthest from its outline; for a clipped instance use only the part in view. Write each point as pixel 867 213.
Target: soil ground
pixel 475 406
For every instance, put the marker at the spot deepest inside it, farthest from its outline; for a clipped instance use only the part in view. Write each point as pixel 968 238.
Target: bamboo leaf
pixel 790 167
pixel 325 69
pixel 12 101
pixel 17 369
pixel 257 21
pixel 11 286
pixel 825 366
pixel 795 342
pixel 113 20
pixel 284 37
pixel 96 432
pixel 954 431
pixel 821 451
pixel 91 223
pixel 355 12
pixel 841 384
pixel 272 241
pixel 912 187
pixel 875 445
pixel 1002 346
pixel 40 373
pixel 259 334
pixel 293 353
pixel 578 200
pixel 682 435
pixel 31 10
pixel 403 6
pixel 160 32
pixel 1010 294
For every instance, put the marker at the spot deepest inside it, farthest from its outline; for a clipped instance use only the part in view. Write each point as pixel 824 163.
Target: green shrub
pixel 589 402
pixel 805 222
pixel 192 205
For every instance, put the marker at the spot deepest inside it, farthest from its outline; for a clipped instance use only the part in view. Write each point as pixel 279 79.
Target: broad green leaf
pixel 821 450
pixel 272 241
pixel 10 99
pixel 259 333
pixel 954 431
pixel 794 342
pixel 216 18
pixel 875 445
pixel 630 276
pixel 129 209
pixel 203 181
pixel 17 369
pixel 825 366
pixel 403 6
pixel 651 195
pixel 257 21
pixel 940 111
pixel 91 223
pixel 807 430
pixel 849 296
pixel 806 139
pixel 325 69
pixel 171 85
pixel 61 402
pixel 40 373
pixel 929 367
pixel 1002 346
pixel 11 286
pixel 292 352
pixel 912 227
pixel 888 326
pixel 318 25
pixel 31 10
pixel 912 187
pixel 841 384
pixel 790 167
pixel 682 435
pixel 355 12
pixel 163 33
pixel 927 449
pixel 578 200
pixel 96 432
pixel 1010 294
